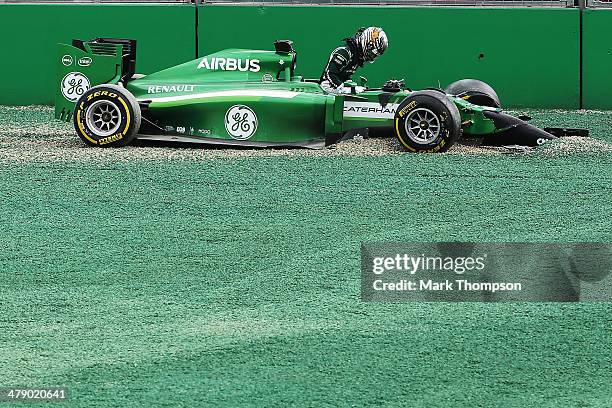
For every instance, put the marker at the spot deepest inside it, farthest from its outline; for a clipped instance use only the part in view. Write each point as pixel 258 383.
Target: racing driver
pixel 366 45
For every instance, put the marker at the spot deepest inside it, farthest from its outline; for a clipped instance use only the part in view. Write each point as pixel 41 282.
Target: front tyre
pixel 107 116
pixel 427 122
pixel 475 91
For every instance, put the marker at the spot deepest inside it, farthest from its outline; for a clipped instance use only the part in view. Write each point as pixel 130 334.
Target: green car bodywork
pixel 237 97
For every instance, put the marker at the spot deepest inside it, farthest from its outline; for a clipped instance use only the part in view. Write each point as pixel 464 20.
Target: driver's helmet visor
pixel 375 43
pixel 374 53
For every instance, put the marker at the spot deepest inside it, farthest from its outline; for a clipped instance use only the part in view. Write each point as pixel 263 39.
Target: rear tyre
pixel 107 116
pixel 428 122
pixel 475 91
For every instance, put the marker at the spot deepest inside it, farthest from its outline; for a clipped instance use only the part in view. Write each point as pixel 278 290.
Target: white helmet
pixel 373 42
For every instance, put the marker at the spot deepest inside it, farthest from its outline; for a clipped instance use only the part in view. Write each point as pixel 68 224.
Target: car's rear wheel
pixel 475 91
pixel 427 121
pixel 107 116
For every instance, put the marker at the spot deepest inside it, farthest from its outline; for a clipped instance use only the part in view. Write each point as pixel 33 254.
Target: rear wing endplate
pixel 85 64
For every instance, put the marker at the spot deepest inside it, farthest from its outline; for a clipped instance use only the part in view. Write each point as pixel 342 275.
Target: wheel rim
pixel 422 126
pixel 103 118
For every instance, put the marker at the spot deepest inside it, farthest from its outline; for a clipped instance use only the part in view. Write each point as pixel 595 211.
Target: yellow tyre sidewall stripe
pixel 127 116
pixel 399 136
pixel 83 133
pixel 96 142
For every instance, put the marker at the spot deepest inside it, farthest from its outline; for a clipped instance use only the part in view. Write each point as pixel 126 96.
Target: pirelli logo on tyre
pixel 101 93
pixel 110 139
pixel 407 108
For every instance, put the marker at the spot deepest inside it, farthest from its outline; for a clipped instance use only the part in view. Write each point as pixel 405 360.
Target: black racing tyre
pixel 475 91
pixel 107 116
pixel 428 122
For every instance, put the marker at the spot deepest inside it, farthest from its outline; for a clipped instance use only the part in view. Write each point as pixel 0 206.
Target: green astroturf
pixel 235 282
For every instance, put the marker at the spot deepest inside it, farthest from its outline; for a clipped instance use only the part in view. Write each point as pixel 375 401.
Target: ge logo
pixel 541 141
pixel 74 85
pixel 240 122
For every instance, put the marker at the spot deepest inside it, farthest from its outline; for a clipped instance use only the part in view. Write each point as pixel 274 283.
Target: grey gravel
pixel 30 134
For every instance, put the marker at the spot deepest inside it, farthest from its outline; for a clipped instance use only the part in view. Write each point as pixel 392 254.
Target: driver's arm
pixel 335 72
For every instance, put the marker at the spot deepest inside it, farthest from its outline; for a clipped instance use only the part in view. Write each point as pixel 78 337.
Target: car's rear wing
pixel 85 64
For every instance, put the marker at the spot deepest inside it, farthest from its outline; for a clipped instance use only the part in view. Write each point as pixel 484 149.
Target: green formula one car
pixel 254 98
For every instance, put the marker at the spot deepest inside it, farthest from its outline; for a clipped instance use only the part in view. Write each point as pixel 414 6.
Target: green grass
pixel 235 282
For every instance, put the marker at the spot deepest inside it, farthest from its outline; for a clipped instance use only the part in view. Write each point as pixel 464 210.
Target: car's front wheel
pixel 107 116
pixel 475 91
pixel 427 121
